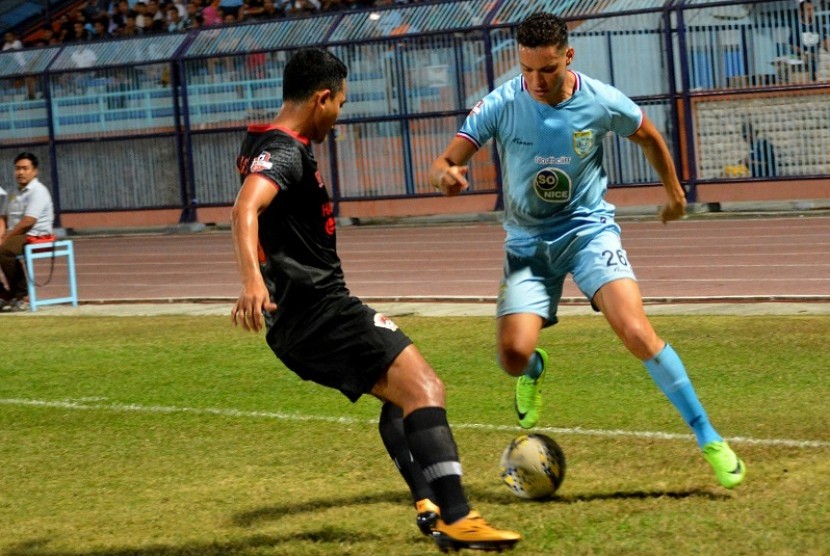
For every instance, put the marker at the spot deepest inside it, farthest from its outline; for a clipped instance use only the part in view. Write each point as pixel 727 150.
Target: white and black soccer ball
pixel 533 466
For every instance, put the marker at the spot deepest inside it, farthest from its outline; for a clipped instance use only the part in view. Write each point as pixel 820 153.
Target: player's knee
pixel 514 356
pixel 639 338
pixel 424 384
pixel 432 389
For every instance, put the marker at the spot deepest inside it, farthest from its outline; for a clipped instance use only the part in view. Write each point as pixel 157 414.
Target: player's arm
pixel 658 155
pixel 448 173
pixel 256 194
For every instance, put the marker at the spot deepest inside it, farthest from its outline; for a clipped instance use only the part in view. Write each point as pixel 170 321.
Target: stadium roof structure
pixel 15 12
pixel 376 24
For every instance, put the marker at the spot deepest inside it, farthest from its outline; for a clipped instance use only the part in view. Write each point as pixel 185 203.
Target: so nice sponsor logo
pixel 552 185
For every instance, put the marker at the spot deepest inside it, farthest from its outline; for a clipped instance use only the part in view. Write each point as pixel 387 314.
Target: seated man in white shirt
pixel 30 214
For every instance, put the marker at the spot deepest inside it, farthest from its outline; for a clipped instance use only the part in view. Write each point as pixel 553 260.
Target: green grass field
pixel 183 436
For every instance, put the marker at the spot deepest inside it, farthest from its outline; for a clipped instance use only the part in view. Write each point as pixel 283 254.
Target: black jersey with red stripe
pixel 297 235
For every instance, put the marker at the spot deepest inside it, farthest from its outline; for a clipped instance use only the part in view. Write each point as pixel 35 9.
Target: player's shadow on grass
pixel 505 498
pixel 272 513
pixel 325 536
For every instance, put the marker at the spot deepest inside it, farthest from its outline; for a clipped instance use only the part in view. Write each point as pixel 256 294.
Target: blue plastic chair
pixel 47 250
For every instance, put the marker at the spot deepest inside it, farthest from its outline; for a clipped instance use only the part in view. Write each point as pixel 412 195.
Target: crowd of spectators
pixel 104 19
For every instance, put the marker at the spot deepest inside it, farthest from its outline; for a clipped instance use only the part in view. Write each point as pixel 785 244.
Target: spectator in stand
pixel 118 19
pixel 79 32
pixel 251 10
pixel 229 19
pixel 174 21
pixel 11 42
pixel 140 11
pixel 180 6
pixel 130 28
pixel 66 27
pixel 333 6
pixel 51 36
pixel 100 29
pixel 154 19
pixel 273 9
pixel 91 10
pixel 190 14
pixel 212 14
pixel 303 7
pixel 808 37
pixel 45 37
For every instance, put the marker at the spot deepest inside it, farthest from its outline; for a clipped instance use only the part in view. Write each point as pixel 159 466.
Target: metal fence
pixel 155 122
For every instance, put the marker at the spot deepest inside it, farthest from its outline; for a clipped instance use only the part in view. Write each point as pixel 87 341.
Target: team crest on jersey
pixel 383 321
pixel 477 108
pixel 552 185
pixel 262 162
pixel 583 142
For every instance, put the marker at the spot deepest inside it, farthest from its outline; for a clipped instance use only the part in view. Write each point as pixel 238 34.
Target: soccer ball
pixel 533 466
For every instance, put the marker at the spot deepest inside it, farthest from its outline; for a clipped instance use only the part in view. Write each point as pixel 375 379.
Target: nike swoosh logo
pixel 519 413
pixel 737 470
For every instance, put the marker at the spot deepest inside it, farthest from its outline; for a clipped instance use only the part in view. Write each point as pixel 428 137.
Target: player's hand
pixel 674 210
pixel 248 308
pixel 454 181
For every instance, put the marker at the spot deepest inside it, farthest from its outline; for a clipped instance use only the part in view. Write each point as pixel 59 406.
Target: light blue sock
pixel 534 366
pixel 668 372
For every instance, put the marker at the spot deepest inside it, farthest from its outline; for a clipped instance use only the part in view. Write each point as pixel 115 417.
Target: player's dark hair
pixel 310 70
pixel 542 29
pixel 27 156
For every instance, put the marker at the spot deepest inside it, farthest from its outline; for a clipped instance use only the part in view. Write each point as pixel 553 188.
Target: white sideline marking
pixel 83 405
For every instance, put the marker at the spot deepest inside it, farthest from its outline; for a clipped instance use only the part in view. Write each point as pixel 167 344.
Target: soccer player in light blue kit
pixel 548 124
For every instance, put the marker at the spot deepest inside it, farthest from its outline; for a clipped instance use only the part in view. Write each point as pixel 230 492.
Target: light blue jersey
pixel 551 155
pixel 555 213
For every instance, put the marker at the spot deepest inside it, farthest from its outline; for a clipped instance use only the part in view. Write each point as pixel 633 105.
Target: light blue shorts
pixel 535 269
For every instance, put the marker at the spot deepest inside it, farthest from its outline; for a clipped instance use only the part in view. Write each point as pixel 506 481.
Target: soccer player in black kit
pixel 284 239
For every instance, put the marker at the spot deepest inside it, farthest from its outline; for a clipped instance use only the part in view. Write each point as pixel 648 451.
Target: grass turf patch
pixel 181 435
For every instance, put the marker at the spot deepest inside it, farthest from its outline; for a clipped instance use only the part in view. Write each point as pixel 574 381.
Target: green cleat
pixel 528 401
pixel 729 469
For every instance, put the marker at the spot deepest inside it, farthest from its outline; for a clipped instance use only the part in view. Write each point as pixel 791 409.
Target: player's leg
pixel 528 299
pixel 411 384
pixel 621 303
pixel 351 351
pixel 622 306
pixel 518 335
pixel 393 435
pixel 603 272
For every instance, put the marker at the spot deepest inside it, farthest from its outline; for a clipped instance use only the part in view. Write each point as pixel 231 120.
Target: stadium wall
pixel 144 132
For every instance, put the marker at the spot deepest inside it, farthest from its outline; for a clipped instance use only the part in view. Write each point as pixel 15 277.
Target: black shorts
pixel 348 351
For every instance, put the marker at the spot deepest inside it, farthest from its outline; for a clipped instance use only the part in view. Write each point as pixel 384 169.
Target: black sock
pixel 394 439
pixel 431 443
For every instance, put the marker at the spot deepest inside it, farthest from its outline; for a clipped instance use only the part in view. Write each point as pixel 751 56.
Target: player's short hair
pixel 310 70
pixel 27 156
pixel 542 29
